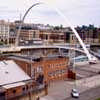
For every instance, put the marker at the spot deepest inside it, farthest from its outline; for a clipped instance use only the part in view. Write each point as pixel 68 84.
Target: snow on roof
pixel 10 72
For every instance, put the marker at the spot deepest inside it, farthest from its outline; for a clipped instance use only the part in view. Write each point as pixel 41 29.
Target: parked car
pixel 93 60
pixel 75 93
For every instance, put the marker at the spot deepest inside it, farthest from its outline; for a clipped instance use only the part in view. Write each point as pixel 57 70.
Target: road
pixel 60 90
pixel 91 94
pixel 85 72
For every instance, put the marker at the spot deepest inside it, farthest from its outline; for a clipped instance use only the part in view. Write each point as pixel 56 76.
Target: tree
pixel 91 26
pixel 61 26
pixel 56 28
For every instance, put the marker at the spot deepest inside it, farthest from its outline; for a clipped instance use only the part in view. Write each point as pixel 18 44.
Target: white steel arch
pixel 64 17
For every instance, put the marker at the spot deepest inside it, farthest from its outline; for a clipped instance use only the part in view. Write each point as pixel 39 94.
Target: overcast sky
pixel 78 12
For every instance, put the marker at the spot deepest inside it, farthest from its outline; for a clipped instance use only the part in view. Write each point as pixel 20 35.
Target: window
pixel 49 66
pixel 50 74
pixel 23 88
pixel 39 69
pixel 46 37
pixel 34 34
pixel 63 71
pixel 27 87
pixel 57 72
pixel 14 91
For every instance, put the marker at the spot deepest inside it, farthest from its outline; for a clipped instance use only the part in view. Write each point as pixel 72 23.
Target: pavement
pixel 87 70
pixel 60 90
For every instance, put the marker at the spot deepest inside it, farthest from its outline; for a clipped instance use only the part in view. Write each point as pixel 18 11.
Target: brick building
pixel 29 34
pixel 15 84
pixel 53 68
pixel 52 36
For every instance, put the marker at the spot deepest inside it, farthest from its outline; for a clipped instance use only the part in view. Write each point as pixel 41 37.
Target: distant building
pixel 52 36
pixel 89 34
pixel 26 35
pixel 4 32
pixel 12 33
pixel 47 36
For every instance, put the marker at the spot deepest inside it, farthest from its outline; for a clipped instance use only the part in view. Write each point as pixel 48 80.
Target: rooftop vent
pixel 6 72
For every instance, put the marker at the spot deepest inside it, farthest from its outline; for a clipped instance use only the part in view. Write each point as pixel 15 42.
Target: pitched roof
pixel 10 72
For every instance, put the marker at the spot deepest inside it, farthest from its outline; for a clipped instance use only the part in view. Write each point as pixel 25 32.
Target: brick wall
pixel 52 69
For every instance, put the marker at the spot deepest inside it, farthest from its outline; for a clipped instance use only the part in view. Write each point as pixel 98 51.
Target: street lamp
pixel 20 26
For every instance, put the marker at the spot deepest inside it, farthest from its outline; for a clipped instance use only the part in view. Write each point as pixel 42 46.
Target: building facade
pixel 4 32
pixel 26 35
pixel 52 36
pixel 89 34
pixel 55 68
pixel 15 84
pixel 12 33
